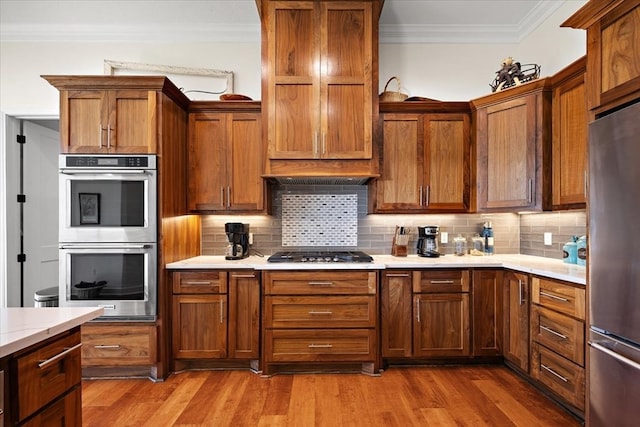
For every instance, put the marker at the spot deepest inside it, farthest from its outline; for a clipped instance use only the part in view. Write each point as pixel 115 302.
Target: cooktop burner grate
pixel 320 256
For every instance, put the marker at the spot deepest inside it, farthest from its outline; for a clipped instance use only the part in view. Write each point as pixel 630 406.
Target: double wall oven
pixel 108 234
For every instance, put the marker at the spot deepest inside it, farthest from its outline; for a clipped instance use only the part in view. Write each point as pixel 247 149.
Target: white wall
pixel 441 71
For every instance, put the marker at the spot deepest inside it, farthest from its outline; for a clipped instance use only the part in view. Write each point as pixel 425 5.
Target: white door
pixel 39 228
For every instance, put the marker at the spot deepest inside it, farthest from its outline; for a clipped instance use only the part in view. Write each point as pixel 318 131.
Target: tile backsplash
pixel 327 220
pixel 513 233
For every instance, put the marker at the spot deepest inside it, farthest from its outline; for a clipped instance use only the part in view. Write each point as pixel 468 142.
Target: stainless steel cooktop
pixel 320 256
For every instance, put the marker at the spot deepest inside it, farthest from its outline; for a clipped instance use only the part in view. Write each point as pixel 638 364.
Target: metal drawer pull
pixel 195 282
pixel 58 356
pixel 321 283
pixel 442 282
pixel 244 276
pixel 520 292
pixel 221 311
pixel 397 274
pixel 321 312
pixel 320 346
pixel 107 347
pixel 418 310
pixel 551 331
pixel 551 371
pixel 615 355
pixel 554 296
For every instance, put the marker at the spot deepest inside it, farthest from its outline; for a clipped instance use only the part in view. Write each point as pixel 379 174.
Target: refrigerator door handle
pixel 615 355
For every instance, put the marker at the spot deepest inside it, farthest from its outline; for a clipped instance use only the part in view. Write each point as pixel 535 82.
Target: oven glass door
pixel 108 206
pixel 121 278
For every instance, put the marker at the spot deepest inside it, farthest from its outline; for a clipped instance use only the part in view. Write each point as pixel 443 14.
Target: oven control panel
pixel 113 162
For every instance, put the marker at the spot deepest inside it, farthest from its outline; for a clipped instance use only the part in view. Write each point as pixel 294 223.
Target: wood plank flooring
pixel 402 396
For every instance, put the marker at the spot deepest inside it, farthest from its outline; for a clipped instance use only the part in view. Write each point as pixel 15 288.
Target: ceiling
pixel 402 21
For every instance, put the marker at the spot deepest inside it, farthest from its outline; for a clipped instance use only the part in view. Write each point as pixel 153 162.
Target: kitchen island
pixel 40 365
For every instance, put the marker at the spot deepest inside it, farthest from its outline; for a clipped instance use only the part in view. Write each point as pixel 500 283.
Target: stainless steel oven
pixel 120 277
pixel 108 198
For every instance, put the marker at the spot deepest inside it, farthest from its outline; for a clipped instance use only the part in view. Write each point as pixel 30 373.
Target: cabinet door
pixel 569 144
pixel 132 126
pixel 111 121
pixel 507 154
pixel 244 315
pixel 487 312
pixel 83 120
pixel 396 314
pixel 446 159
pixel 207 161
pixel 199 326
pixel 346 64
pixel 516 319
pixel 245 186
pixel 293 90
pixel 441 325
pixel 400 187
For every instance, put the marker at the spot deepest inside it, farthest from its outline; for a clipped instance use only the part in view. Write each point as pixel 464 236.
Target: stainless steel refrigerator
pixel 614 269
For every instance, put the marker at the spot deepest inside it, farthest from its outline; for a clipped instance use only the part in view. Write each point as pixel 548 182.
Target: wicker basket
pixel 388 96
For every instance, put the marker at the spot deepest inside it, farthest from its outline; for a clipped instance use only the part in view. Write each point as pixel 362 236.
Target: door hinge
pixel 22 198
pixel 22 258
pixel 21 139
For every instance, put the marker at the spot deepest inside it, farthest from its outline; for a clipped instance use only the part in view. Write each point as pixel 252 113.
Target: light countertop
pixel 547 267
pixel 24 327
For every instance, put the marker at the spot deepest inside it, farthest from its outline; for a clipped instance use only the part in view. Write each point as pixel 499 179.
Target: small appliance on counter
pixel 238 238
pixel 428 241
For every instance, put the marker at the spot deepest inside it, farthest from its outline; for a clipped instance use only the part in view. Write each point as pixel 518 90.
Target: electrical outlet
pixel 251 238
pixel 548 239
pixel 444 237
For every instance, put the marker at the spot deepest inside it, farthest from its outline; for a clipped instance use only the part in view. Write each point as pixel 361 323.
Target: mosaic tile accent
pixel 319 220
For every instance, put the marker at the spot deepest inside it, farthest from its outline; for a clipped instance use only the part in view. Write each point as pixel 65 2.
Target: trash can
pixel 46 297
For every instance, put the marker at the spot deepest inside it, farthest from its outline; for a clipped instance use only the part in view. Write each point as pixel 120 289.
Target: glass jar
pixel 459 245
pixel 477 245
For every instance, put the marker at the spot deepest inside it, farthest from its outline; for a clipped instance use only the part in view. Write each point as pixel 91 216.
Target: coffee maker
pixel 238 237
pixel 428 241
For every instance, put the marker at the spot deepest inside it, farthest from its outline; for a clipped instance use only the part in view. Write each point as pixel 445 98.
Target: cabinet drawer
pixel 320 282
pixel 199 282
pixel 320 312
pixel 66 411
pixel 327 345
pixel 560 333
pixel 441 281
pixel 562 376
pixel 558 296
pixel 124 344
pixel 47 373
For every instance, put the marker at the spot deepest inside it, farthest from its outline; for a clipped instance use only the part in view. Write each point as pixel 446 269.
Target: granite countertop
pixel 26 326
pixel 547 267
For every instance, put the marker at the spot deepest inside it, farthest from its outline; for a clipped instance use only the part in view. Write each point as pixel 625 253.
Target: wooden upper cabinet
pixel 613 57
pixel 569 137
pixel 425 163
pixel 225 161
pixel 513 129
pixel 118 114
pixel 108 121
pixel 319 79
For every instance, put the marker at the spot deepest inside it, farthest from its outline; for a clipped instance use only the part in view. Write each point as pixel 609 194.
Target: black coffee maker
pixel 238 237
pixel 428 241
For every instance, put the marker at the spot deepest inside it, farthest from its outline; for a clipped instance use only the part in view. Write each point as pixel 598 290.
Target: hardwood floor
pixel 402 396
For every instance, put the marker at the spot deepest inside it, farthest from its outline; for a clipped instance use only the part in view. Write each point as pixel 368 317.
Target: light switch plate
pixel 444 237
pixel 548 239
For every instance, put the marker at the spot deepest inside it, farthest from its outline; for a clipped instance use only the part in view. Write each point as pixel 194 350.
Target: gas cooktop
pixel 320 256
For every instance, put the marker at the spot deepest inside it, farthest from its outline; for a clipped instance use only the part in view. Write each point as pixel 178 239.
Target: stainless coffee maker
pixel 428 241
pixel 238 237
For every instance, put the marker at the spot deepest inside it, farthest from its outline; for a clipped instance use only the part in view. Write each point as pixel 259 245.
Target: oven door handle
pixel 103 171
pixel 105 246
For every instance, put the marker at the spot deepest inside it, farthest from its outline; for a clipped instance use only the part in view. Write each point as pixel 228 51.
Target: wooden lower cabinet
pixel 557 334
pixel 516 320
pixel 43 383
pixel 216 318
pixel 441 325
pixel 396 304
pixel 486 292
pixel 316 318
pixel 118 344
